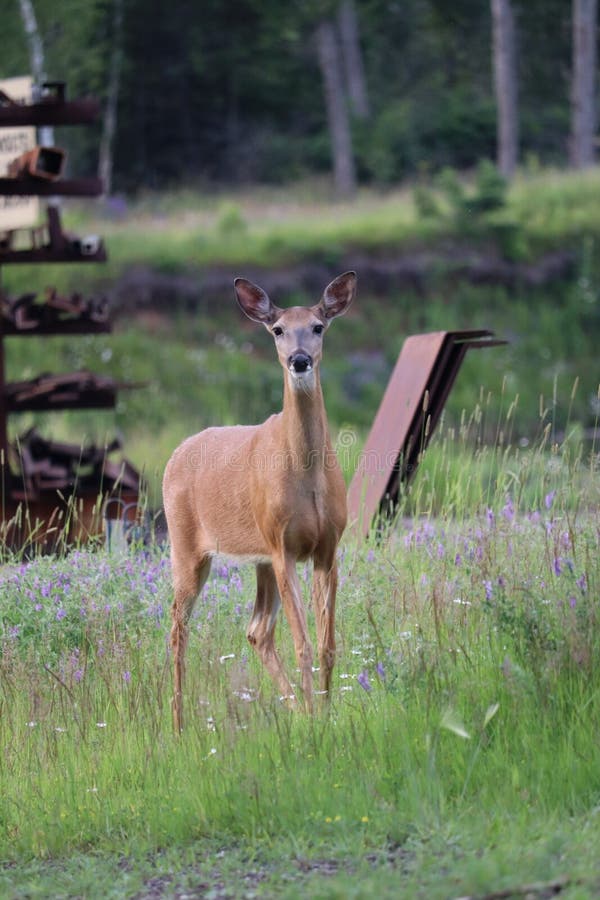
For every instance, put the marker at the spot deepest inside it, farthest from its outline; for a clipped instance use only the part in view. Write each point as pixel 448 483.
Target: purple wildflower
pixel 457 560
pixel 491 518
pixel 488 589
pixel 380 670
pixel 363 680
pixel 549 499
pixel 572 602
pixel 61 613
pixel 127 677
pixel 508 510
pixel 557 565
pixel 371 555
pixel 78 674
pixel 581 583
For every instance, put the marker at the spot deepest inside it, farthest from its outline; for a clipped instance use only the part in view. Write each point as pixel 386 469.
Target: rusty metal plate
pixel 406 419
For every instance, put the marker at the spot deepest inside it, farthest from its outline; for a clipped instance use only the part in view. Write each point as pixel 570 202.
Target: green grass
pixel 472 763
pixel 461 753
pixel 212 367
pixel 540 390
pixel 189 230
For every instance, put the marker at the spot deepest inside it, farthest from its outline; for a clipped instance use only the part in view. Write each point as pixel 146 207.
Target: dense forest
pixel 242 91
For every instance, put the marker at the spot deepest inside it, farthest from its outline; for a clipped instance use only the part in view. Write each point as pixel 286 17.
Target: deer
pixel 271 494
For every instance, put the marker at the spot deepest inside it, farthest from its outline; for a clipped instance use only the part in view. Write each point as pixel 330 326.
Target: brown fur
pixel 272 493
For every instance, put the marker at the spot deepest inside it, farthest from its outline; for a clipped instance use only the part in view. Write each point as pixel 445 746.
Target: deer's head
pixel 298 331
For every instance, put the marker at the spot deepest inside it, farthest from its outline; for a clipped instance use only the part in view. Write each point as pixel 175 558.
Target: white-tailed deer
pixel 271 494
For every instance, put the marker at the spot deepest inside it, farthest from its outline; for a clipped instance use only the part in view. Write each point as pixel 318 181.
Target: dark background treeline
pixel 232 90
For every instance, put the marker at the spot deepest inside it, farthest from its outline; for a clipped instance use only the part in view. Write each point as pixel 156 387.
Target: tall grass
pixel 465 708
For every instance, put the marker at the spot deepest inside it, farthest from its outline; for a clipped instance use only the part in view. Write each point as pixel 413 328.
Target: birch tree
pixel 344 174
pixel 353 61
pixel 37 61
pixel 109 125
pixel 505 83
pixel 583 84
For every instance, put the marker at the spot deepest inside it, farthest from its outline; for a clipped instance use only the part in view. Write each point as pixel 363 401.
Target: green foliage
pixel 231 221
pixel 425 202
pixel 490 188
pixel 406 133
pixel 488 194
pixel 238 98
pixel 479 212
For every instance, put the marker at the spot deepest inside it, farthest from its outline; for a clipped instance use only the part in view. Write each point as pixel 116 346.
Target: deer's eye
pixel 317 329
pixel 278 331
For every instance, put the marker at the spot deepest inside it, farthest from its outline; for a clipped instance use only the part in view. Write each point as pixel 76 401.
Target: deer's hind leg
pixel 261 631
pixel 190 571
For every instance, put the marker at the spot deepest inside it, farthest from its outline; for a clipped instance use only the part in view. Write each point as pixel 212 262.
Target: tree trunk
pixel 505 81
pixel 337 113
pixel 36 58
pixel 583 84
pixel 109 126
pixel 353 63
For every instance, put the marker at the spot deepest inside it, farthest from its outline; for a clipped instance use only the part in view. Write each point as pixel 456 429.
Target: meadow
pixel 201 363
pixel 460 754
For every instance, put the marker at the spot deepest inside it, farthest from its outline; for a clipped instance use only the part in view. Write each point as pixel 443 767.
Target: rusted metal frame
pixel 58 314
pixel 49 244
pixel 441 371
pixel 49 255
pixel 444 374
pixel 66 187
pixel 79 326
pixel 50 111
pixel 98 399
pixel 80 390
pixel 41 162
pixel 58 240
pixel 47 467
pixel 397 412
pixel 3 413
pixel 441 377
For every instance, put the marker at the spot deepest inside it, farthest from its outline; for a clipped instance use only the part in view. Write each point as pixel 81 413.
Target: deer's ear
pixel 338 295
pixel 255 302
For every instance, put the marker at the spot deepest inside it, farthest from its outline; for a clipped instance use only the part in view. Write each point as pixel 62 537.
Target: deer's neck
pixel 304 423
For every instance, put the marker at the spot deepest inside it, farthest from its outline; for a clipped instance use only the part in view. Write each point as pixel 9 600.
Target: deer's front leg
pixel 323 596
pixel 284 567
pixel 261 631
pixel 188 578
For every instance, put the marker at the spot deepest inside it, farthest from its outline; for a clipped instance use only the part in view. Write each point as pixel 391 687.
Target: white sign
pixel 17 212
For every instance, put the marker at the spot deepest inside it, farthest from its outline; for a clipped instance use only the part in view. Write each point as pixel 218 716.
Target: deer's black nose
pixel 300 362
